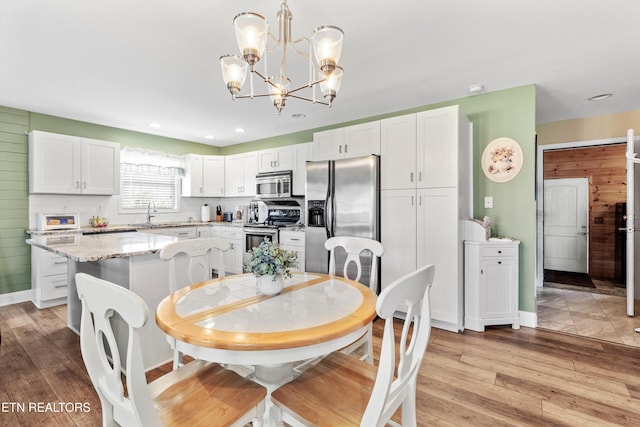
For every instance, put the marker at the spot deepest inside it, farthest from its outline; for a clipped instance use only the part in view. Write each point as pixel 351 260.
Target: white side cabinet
pixel 48 278
pixel 64 164
pixel 293 241
pixel 491 284
pixel 240 174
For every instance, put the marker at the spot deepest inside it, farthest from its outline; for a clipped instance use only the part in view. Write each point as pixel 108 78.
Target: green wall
pixel 124 137
pixel 507 113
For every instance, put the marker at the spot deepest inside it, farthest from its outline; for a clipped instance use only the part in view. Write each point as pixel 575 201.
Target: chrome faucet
pixel 149 216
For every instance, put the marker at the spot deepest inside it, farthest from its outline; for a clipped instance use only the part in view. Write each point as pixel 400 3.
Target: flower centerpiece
pixel 270 264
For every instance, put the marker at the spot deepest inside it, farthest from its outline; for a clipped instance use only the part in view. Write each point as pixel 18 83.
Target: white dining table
pixel 228 321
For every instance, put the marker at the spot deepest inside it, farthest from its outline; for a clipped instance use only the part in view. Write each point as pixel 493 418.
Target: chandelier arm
pixel 308 85
pixel 298 51
pixel 308 99
pixel 252 96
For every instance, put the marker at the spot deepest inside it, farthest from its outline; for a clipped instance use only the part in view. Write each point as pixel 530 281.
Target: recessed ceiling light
pixel 209 137
pixel 155 125
pixel 600 97
pixel 240 130
pixel 298 116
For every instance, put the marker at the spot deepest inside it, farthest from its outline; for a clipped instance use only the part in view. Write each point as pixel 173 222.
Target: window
pixel 149 176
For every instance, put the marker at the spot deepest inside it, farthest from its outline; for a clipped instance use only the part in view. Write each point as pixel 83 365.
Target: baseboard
pixel 16 297
pixel 528 319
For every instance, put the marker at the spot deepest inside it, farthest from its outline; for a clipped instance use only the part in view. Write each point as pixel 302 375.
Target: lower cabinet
pixel 48 278
pixel 293 241
pixel 234 257
pixel 491 284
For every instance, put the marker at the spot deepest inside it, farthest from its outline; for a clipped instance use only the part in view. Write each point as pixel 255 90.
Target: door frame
pixel 540 195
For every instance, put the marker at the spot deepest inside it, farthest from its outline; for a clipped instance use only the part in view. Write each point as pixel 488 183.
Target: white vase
pixel 268 286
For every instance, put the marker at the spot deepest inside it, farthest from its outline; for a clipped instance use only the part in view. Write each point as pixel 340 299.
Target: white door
pixel 633 212
pixel 566 219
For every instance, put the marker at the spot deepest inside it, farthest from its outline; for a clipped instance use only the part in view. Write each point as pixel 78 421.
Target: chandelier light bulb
pixel 331 86
pixel 251 35
pixel 234 72
pixel 279 89
pixel 327 47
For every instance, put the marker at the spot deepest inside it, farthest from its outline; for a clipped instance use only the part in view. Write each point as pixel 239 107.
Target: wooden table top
pixel 230 314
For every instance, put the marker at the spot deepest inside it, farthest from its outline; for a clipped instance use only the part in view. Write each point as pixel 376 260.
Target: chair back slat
pixel 104 356
pixel 409 293
pixel 199 253
pixel 354 247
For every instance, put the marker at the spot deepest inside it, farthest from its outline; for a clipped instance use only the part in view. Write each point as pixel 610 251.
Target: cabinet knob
pixel 499 251
pixel 499 262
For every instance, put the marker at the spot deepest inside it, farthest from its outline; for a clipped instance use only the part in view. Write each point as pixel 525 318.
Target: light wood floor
pixel 501 377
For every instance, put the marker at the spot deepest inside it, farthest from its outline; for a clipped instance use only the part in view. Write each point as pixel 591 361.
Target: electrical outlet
pixel 488 202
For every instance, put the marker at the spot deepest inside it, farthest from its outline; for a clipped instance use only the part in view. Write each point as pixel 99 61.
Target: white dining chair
pixel 354 246
pixel 343 391
pixel 198 393
pixel 199 253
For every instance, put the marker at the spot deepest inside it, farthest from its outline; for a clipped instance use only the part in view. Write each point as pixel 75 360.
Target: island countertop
pixel 95 247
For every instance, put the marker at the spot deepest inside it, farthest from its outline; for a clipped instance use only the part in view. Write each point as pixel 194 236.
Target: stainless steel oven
pixel 273 185
pixel 254 235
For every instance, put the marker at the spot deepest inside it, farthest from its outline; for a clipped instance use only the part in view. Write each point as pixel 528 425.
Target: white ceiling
pixel 128 63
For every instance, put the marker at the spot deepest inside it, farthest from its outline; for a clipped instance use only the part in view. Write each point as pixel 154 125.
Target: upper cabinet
pixel 275 159
pixel 422 150
pixel 240 177
pixel 204 176
pixel 63 164
pixel 351 141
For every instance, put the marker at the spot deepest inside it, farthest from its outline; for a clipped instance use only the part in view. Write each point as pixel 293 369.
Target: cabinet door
pixel 192 181
pixel 362 140
pixel 439 244
pixel 300 157
pixel 327 145
pixel 275 159
pixel 498 288
pixel 398 234
pixel 437 149
pixel 234 175
pixel 100 167
pixel 249 171
pixel 55 163
pixel 213 176
pixel 398 152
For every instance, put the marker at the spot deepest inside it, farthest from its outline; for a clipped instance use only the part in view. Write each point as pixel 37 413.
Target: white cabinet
pixel 240 174
pixel 491 284
pixel 63 164
pixel 204 176
pixel 293 241
pixel 204 231
pixel 347 142
pixel 300 156
pixel 275 159
pixel 48 278
pixel 421 216
pixel 234 257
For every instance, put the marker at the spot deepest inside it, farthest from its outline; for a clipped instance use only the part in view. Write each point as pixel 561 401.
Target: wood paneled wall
pixel 15 254
pixel 605 167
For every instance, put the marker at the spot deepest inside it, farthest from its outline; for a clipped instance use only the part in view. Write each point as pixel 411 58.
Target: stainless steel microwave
pixel 273 185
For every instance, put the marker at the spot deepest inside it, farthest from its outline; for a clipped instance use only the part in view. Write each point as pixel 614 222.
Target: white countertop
pixel 96 247
pixel 134 227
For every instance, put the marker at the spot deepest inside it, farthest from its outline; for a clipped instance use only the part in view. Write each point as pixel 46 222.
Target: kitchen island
pixel 129 259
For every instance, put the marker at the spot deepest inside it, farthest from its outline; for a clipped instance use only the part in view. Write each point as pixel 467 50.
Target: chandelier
pixel 252 31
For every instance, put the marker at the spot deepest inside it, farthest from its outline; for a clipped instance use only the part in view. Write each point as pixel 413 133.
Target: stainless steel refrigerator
pixel 342 199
